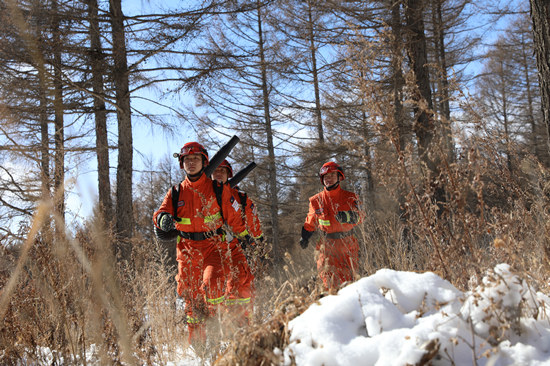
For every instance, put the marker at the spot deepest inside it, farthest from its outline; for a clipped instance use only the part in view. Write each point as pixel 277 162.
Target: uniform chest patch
pixel 181 203
pixel 319 211
pixel 236 205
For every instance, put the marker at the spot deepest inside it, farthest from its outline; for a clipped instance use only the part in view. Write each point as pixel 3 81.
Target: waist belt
pixel 197 236
pixel 338 235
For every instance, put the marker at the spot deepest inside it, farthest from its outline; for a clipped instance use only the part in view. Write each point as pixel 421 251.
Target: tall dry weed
pixel 63 298
pixel 68 300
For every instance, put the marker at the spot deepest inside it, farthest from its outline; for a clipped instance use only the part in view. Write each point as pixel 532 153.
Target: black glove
pixel 347 217
pixel 304 240
pixel 166 222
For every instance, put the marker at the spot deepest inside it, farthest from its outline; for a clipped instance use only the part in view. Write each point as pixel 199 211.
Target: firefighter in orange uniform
pixel 335 212
pixel 201 246
pixel 239 282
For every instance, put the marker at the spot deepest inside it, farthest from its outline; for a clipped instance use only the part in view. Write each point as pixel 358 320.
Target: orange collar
pixel 198 182
pixel 333 192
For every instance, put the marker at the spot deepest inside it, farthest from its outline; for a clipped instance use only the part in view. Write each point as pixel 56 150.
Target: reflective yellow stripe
pixel 244 233
pixel 191 320
pixel 217 301
pixel 324 222
pixel 231 301
pixel 237 301
pixel 184 220
pixel 347 216
pixel 211 218
pixel 244 301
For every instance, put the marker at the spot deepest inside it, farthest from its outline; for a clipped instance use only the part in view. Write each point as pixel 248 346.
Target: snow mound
pixel 405 318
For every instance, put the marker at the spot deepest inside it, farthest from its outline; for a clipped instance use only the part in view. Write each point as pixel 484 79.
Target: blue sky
pixel 150 141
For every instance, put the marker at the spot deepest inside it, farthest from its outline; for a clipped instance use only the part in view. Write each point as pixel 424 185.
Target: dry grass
pixel 62 299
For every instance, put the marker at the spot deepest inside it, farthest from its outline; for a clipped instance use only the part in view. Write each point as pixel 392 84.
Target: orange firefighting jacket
pixel 249 213
pixel 324 206
pixel 198 209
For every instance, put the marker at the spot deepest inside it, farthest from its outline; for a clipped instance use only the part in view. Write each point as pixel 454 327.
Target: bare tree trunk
pixel 37 59
pixel 443 82
pixel 274 208
pixel 540 15
pixel 97 64
pixel 369 184
pixel 44 139
pixel 400 128
pixel 124 206
pixel 424 127
pixel 423 109
pixel 313 50
pixel 535 138
pixel 59 134
pixel 398 81
pixel 505 119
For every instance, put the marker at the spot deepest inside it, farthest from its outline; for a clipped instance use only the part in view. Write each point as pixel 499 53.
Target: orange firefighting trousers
pixel 338 260
pixel 200 280
pixel 238 294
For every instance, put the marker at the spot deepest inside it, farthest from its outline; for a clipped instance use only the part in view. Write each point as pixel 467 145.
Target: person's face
pixel 192 164
pixel 330 178
pixel 220 174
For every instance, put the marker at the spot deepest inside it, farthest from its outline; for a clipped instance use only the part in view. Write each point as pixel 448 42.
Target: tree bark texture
pixel 398 82
pixel 423 109
pixel 59 128
pixel 540 15
pixel 274 208
pixel 313 50
pixel 124 207
pixel 97 63
pixel 418 57
pixel 443 81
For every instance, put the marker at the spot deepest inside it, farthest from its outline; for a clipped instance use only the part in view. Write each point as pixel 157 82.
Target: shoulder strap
pixel 175 199
pixel 243 197
pixel 218 190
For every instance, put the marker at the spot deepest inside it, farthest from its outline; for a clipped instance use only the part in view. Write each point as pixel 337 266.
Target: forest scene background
pixel 437 110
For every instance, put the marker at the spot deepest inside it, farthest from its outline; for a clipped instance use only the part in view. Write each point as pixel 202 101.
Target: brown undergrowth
pixel 71 301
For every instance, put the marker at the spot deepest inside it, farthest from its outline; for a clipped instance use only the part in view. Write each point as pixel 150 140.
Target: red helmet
pixel 331 167
pixel 225 164
pixel 193 148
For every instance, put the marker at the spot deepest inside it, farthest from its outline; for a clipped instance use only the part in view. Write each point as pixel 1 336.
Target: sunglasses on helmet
pixel 192 150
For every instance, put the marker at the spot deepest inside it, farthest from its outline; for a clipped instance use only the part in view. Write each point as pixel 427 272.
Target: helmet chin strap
pixel 330 188
pixel 193 177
